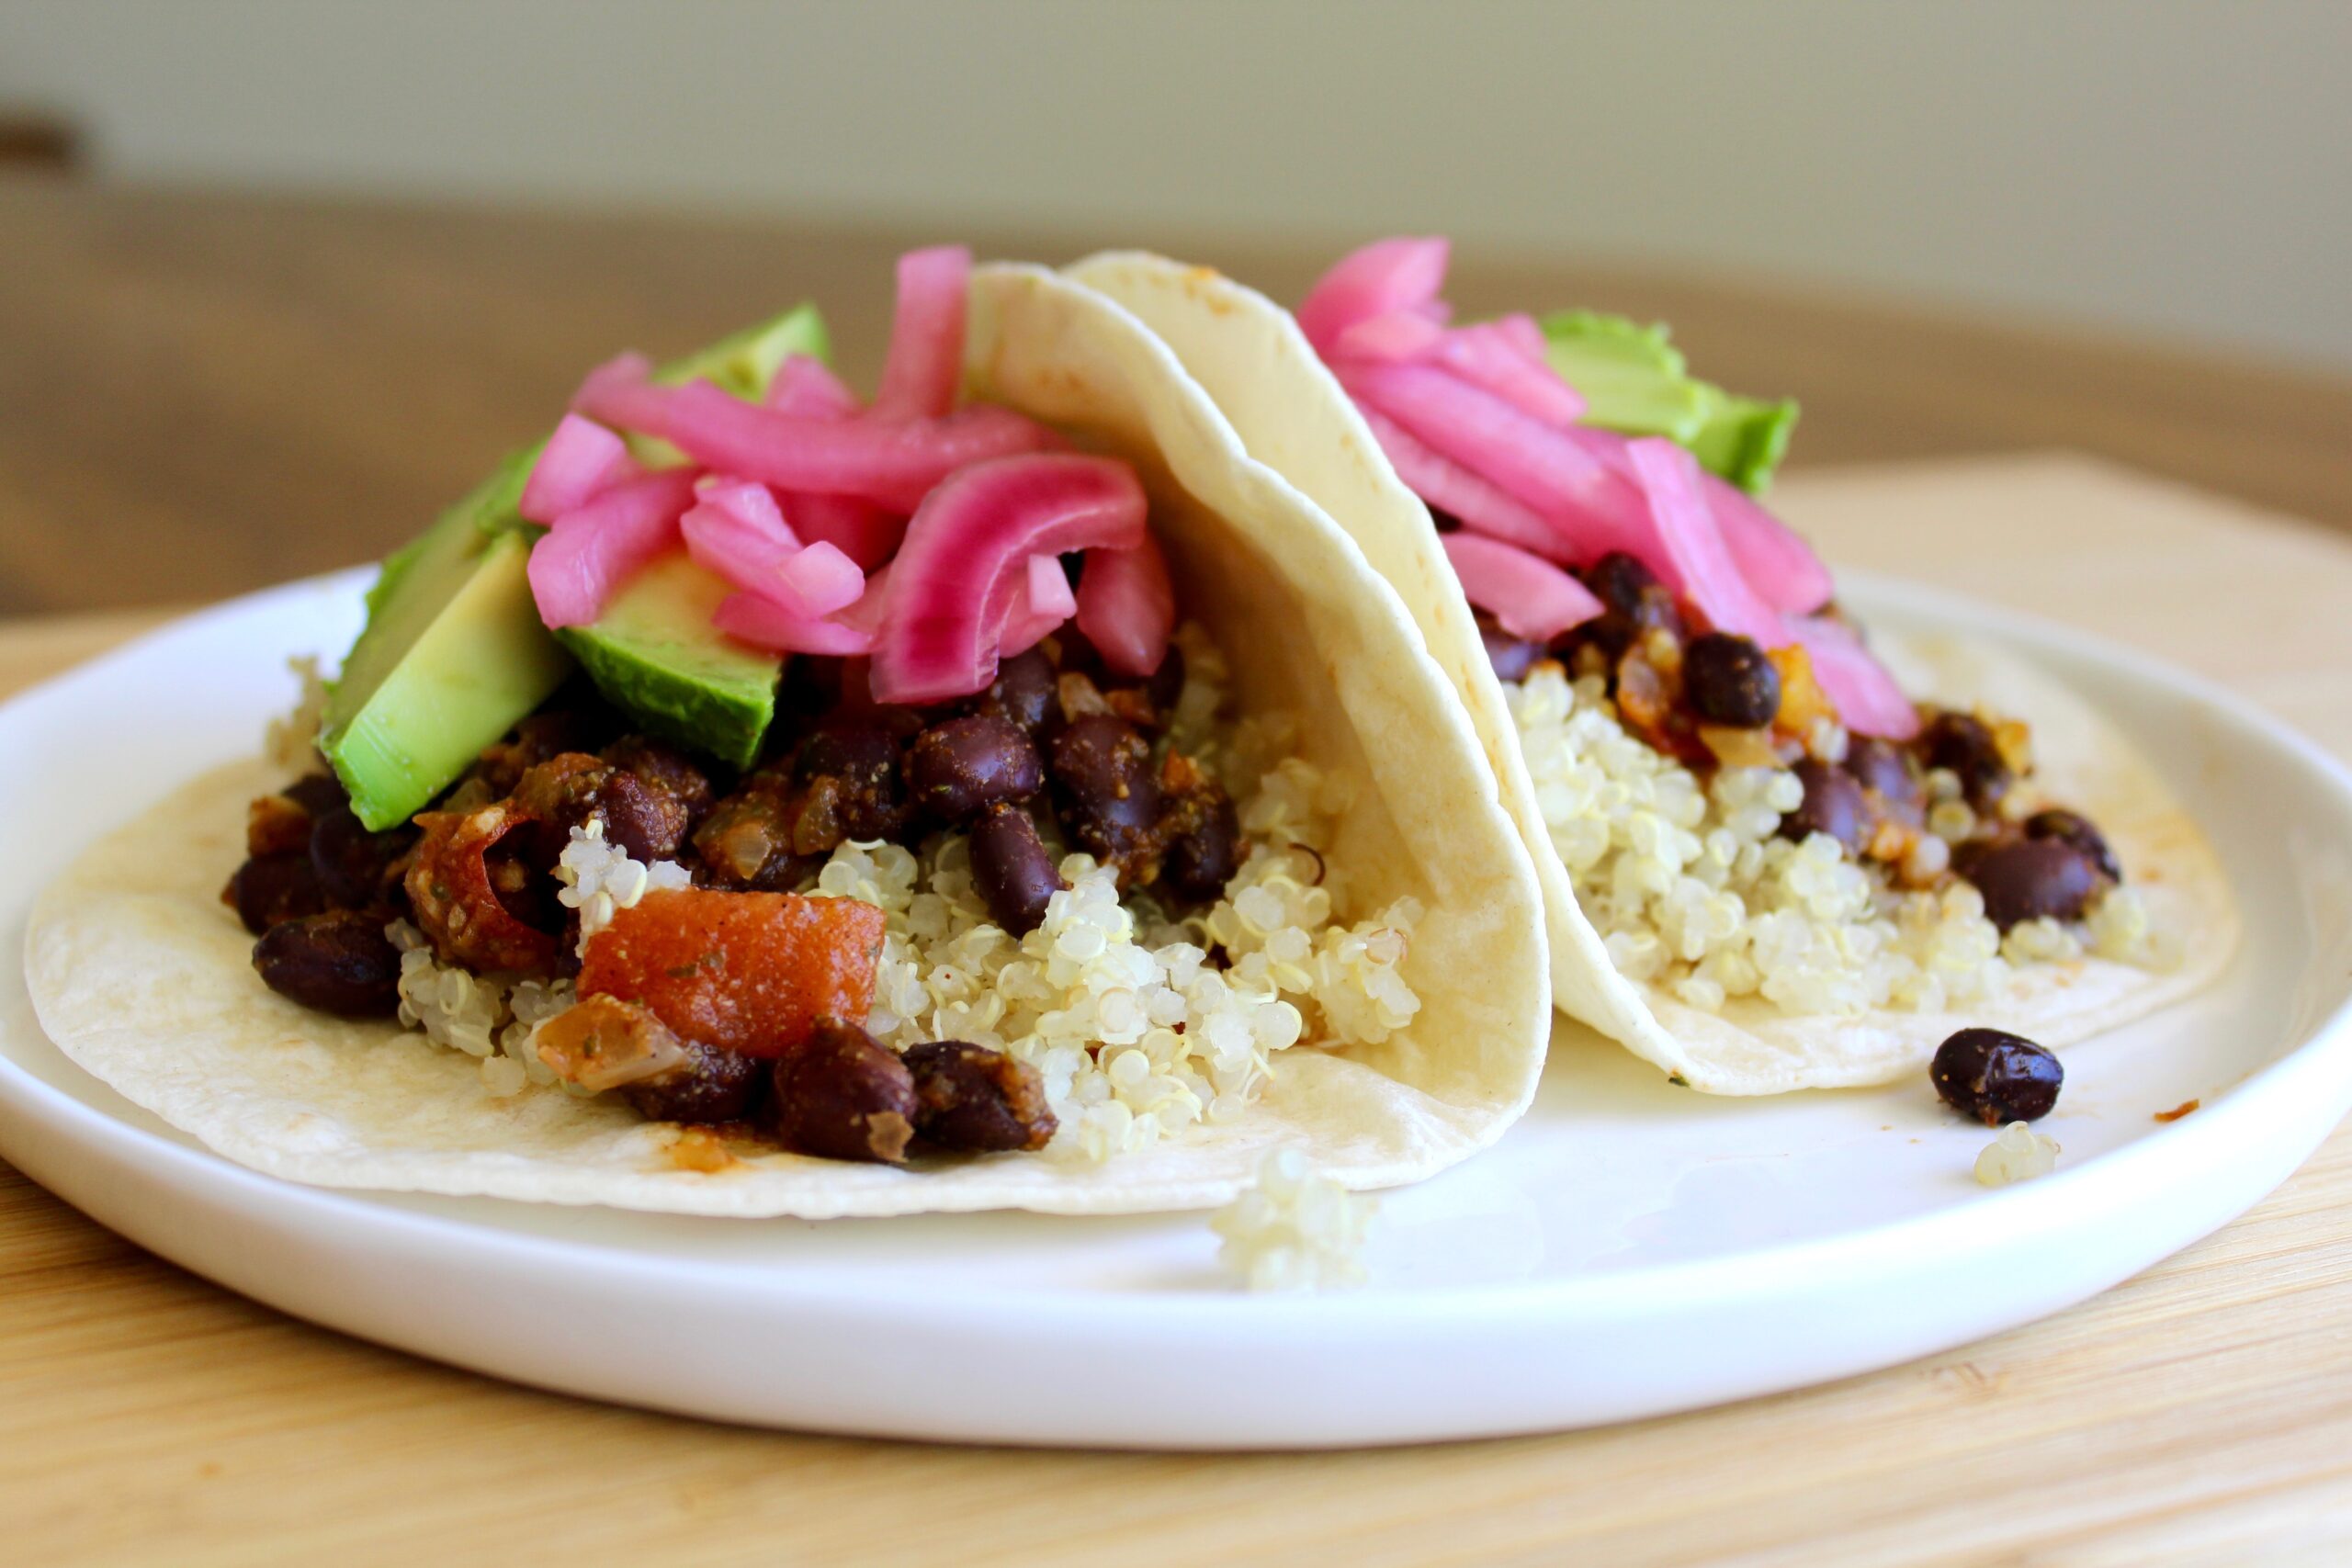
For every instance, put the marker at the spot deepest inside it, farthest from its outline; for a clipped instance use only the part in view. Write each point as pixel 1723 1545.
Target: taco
pixel 1774 855
pixel 1004 794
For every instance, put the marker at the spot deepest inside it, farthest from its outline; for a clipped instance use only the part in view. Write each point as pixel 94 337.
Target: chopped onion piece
pixel 620 392
pixel 1696 562
pixel 1043 605
pixel 762 622
pixel 1867 700
pixel 1399 334
pixel 819 581
pixel 962 561
pixel 1780 566
pixel 1126 607
pixel 1528 596
pixel 1386 275
pixel 926 358
pixel 807 385
pixel 593 549
pixel 580 459
pixel 1493 354
pixel 1451 488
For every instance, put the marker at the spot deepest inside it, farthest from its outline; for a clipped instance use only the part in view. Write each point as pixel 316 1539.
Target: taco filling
pixel 845 776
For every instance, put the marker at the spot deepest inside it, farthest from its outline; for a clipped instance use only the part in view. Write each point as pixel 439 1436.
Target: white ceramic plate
pixel 1631 1249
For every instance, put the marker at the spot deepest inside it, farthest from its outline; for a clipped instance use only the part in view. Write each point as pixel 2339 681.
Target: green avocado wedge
pixel 453 651
pixel 1635 380
pixel 655 655
pixel 453 654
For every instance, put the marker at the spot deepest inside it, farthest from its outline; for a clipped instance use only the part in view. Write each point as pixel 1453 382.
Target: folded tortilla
pixel 143 977
pixel 1293 415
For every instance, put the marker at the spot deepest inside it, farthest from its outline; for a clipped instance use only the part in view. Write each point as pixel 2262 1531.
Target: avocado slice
pixel 453 654
pixel 1635 380
pixel 655 654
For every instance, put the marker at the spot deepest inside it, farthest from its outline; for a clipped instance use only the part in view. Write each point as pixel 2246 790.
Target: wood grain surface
pixel 203 393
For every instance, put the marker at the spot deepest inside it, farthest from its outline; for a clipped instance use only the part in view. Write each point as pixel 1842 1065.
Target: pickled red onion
pixel 1043 603
pixel 1867 699
pixel 1399 334
pixel 926 359
pixel 1701 568
pixel 1388 274
pixel 819 581
pixel 1494 355
pixel 958 570
pixel 580 459
pixel 1782 566
pixel 1126 607
pixel 736 531
pixel 1451 488
pixel 1528 596
pixel 897 464
pixel 807 385
pixel 620 392
pixel 763 623
pixel 579 562
pixel 864 532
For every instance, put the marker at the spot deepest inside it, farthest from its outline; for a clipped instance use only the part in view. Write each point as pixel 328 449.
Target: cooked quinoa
pixel 2018 1153
pixel 1297 1229
pixel 1694 890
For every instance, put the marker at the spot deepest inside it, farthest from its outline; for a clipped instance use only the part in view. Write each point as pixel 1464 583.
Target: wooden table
pixel 152 446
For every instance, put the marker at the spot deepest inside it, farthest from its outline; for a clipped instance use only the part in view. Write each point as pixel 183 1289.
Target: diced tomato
pixel 453 891
pixel 748 972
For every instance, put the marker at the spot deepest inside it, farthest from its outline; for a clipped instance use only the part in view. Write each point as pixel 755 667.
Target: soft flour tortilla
pixel 143 976
pixel 1292 415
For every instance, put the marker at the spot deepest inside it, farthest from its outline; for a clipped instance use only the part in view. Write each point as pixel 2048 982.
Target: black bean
pixel 267 889
pixel 1011 868
pixel 315 793
pixel 2026 879
pixel 710 1085
pixel 1023 692
pixel 1635 601
pixel 843 1096
pixel 962 767
pixel 971 1099
pixel 667 770
pixel 339 962
pixel 2074 829
pixel 1730 681
pixel 1167 683
pixel 1833 803
pixel 1964 744
pixel 1996 1078
pixel 863 755
pixel 1511 657
pixel 353 865
pixel 1201 839
pixel 1103 780
pixel 1884 766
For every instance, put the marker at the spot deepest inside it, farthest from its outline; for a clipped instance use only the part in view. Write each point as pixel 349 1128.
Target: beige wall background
pixel 2171 166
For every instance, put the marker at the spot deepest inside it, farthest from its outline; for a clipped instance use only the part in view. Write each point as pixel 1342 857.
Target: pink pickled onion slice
pixel 1126 607
pixel 1867 699
pixel 1490 356
pixel 1782 566
pixel 1523 333
pixel 1399 334
pixel 1388 274
pixel 1696 561
pixel 592 551
pixel 1043 603
pixel 961 563
pixel 926 358
pixel 819 581
pixel 580 459
pixel 872 606
pixel 805 385
pixel 762 622
pixel 864 532
pixel 750 501
pixel 1451 488
pixel 897 465
pixel 859 529
pixel 1537 463
pixel 1528 596
pixel 620 392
